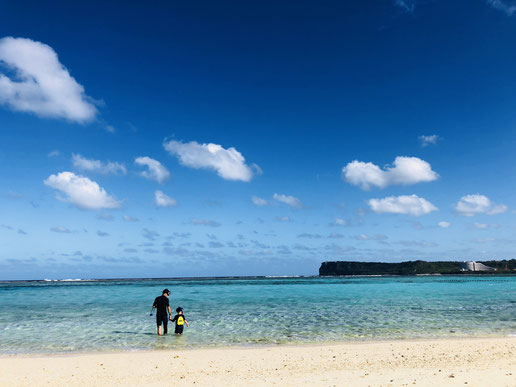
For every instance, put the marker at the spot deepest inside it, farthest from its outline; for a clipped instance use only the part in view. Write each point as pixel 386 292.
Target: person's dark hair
pixel 179 309
pixel 166 291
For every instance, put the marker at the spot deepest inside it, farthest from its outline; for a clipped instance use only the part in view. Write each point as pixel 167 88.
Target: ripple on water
pixel 114 315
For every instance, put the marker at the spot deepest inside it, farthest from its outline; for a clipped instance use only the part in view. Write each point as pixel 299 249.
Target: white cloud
pixel 480 226
pixel 128 218
pixel 366 237
pixel 98 166
pixel 257 201
pixel 257 169
pixel 204 222
pixel 292 201
pixel 498 209
pixel 163 200
pixel 156 170
pixel 405 171
pixel 14 195
pixel 470 205
pixel 283 219
pixel 508 9
pixel 406 5
pixel 341 222
pixel 54 153
pixel 81 191
pixel 150 234
pixel 40 84
pixel 229 163
pixel 60 229
pixel 444 224
pixel 428 140
pixel 410 205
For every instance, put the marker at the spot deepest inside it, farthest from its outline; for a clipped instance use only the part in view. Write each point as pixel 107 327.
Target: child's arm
pixel 186 322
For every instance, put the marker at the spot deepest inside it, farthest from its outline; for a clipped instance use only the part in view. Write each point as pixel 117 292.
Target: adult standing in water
pixel 162 306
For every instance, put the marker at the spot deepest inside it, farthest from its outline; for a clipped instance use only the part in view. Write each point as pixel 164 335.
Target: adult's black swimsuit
pixel 161 303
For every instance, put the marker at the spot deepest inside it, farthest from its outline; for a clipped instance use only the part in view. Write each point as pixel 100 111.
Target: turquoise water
pixel 43 317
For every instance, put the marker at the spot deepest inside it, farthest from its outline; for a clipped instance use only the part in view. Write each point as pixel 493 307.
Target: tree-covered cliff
pixel 406 268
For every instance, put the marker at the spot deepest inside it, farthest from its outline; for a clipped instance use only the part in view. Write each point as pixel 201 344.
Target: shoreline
pixel 473 361
pixel 256 345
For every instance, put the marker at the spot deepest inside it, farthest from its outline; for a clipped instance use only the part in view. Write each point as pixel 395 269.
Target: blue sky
pixel 253 138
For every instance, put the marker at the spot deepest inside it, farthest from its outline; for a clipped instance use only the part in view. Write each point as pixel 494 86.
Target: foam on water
pixel 64 316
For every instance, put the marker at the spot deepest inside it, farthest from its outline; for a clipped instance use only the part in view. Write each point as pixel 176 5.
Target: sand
pixel 473 362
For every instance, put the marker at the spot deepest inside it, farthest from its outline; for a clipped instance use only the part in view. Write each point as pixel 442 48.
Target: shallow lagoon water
pixel 69 316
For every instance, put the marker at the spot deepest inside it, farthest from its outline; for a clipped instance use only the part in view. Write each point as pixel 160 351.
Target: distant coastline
pixel 338 268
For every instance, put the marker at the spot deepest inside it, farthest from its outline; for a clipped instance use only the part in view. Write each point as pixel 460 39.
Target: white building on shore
pixel 475 266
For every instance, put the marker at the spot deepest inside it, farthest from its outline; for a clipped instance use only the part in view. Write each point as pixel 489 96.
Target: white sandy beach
pixel 473 362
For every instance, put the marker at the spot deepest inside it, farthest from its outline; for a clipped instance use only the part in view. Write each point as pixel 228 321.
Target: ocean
pixel 113 315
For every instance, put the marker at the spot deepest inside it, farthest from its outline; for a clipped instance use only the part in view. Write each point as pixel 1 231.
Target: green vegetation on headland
pixel 411 268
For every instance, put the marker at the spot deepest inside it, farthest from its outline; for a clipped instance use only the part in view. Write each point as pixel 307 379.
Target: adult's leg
pixel 158 323
pixel 165 326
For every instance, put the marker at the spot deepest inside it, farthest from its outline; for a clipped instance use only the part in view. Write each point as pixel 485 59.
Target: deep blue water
pixel 114 315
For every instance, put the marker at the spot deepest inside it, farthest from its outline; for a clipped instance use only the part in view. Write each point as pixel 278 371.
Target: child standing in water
pixel 180 321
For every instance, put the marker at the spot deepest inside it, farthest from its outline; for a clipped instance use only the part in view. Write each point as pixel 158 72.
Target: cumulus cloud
pixel 40 84
pixel 428 140
pixel 54 153
pixel 257 201
pixel 228 163
pixel 98 166
pixel 444 224
pixel 470 205
pixel 128 218
pixel 480 226
pixel 405 171
pixel 156 170
pixel 410 205
pixel 81 191
pixel 292 201
pixel 163 200
pixel 506 7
